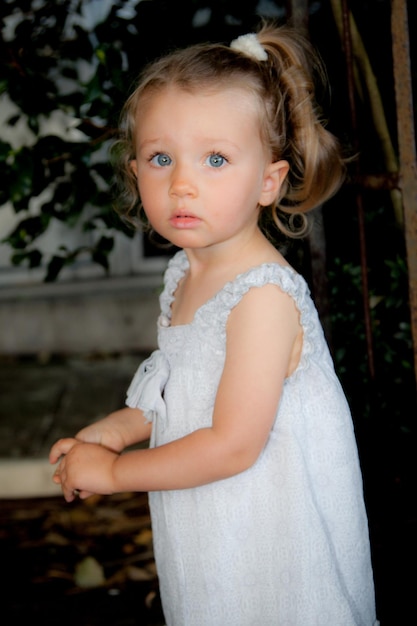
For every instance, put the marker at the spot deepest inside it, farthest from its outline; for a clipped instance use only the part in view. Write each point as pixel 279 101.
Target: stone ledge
pixel 139 282
pixel 100 316
pixel 27 478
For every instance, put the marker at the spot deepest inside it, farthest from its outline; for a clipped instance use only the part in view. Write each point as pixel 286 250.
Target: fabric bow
pixel 146 389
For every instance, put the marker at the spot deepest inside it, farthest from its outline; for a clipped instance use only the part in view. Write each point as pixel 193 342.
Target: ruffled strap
pixel 287 279
pixel 146 389
pixel 177 266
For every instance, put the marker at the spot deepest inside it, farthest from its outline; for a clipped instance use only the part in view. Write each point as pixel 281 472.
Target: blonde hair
pixel 291 124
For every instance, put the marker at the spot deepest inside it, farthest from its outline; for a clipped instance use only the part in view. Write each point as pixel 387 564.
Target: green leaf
pixel 106 244
pixel 21 175
pixel 26 232
pixel 33 256
pixel 55 265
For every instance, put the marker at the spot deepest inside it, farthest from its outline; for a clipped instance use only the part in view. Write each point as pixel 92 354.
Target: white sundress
pixel 285 542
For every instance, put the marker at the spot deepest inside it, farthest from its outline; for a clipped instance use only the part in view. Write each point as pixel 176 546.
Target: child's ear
pixel 134 167
pixel 274 176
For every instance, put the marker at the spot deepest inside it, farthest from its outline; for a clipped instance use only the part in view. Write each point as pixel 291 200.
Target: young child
pixel 255 486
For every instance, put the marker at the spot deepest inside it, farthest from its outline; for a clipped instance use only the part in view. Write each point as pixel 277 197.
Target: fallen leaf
pixel 138 574
pixel 89 573
pixel 144 538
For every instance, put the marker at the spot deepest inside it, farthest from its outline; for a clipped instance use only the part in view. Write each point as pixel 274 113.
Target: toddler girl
pixel 255 486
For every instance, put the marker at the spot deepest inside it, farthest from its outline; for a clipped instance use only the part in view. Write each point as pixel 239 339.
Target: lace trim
pixel 176 269
pixel 220 305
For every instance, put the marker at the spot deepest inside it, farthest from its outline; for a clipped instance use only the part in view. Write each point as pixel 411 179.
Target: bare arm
pixel 117 431
pixel 260 351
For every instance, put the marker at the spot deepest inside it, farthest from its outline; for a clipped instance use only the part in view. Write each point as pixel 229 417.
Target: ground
pixel 80 564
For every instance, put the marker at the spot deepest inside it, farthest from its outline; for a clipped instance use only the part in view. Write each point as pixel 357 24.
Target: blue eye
pixel 161 160
pixel 216 160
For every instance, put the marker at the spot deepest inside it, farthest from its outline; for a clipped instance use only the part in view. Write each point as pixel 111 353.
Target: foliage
pixel 67 68
pixel 387 395
pixel 64 85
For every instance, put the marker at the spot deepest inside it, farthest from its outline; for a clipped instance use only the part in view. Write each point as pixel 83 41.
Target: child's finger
pixel 69 495
pixel 56 478
pixel 61 447
pixel 83 495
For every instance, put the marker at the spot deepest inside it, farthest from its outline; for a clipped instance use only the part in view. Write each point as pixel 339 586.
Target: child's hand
pixel 84 468
pixel 61 447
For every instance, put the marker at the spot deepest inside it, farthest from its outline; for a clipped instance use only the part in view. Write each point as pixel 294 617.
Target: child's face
pixel 201 167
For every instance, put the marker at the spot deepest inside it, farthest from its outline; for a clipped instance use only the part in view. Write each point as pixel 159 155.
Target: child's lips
pixel 184 220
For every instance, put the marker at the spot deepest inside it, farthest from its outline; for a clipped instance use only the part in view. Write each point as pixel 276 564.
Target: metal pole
pixel 347 43
pixel 407 149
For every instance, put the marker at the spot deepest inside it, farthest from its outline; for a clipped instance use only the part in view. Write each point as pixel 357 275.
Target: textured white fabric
pixel 285 542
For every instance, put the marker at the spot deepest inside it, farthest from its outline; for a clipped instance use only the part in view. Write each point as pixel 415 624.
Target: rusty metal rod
pixel 407 149
pixel 347 43
pixel 376 182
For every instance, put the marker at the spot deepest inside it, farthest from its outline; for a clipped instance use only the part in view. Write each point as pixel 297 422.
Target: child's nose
pixel 182 183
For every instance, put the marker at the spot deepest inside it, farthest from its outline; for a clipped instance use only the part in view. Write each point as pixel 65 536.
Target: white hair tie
pixel 249 46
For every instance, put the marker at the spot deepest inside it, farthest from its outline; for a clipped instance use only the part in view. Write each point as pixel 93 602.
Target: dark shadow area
pixel 45 543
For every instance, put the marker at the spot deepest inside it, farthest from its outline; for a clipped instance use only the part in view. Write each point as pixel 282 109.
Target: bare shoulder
pixel 266 304
pixel 265 325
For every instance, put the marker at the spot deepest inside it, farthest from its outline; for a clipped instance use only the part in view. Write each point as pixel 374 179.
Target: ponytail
pixel 296 128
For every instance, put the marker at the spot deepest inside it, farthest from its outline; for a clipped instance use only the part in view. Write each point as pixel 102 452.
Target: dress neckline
pixel 179 265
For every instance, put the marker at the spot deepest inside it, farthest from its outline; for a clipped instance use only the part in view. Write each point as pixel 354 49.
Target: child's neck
pixel 210 270
pixel 231 258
